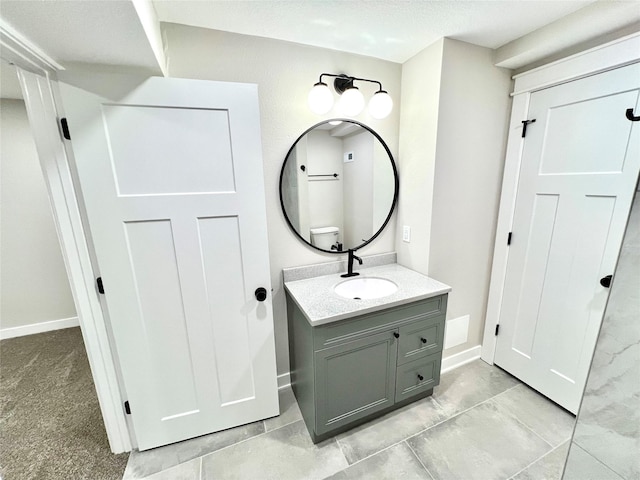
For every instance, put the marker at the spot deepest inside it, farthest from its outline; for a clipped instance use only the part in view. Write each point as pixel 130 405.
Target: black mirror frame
pixel 395 192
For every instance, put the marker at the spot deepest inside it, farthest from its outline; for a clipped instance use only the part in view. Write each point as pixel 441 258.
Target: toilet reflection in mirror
pixel 338 185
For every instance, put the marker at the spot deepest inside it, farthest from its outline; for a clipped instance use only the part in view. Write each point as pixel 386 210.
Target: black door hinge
pixel 100 285
pixel 127 408
pixel 497 329
pixel 65 128
pixel 526 123
pixel 509 238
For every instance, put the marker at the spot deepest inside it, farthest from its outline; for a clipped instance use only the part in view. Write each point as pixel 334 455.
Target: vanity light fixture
pixel 351 100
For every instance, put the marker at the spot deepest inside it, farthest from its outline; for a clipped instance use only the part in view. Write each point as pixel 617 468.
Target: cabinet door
pixel 354 380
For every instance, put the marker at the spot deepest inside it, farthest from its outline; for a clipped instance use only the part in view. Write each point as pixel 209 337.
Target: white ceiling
pixel 110 32
pixel 388 29
pixel 91 31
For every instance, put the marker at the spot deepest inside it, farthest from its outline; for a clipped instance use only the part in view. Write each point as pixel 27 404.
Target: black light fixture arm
pixel 341 81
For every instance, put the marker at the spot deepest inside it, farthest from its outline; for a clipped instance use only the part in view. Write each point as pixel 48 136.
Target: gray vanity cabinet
pixel 349 371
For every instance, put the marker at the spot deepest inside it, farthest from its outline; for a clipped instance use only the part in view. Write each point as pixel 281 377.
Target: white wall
pixel 358 188
pixel 418 133
pixel 382 179
pixel 324 157
pixel 284 72
pixel 34 285
pixel 472 134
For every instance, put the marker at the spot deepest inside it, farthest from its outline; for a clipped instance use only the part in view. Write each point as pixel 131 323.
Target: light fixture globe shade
pixel 320 99
pixel 351 102
pixel 380 105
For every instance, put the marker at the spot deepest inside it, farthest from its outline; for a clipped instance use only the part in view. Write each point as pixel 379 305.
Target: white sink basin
pixel 365 288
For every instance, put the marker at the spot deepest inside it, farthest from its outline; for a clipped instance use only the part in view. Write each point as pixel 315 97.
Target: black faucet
pixel 350 272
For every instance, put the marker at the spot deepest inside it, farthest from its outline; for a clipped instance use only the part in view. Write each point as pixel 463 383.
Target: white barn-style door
pixel 171 179
pixel 579 170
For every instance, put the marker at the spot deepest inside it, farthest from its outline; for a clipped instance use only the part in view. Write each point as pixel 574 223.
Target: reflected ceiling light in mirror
pixel 351 99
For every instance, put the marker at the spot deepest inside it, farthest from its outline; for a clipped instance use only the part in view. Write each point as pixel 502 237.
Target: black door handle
pixel 261 294
pixel 606 281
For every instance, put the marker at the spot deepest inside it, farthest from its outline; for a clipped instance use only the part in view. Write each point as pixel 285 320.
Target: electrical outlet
pixel 406 234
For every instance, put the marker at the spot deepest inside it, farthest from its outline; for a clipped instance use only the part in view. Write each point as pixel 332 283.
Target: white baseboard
pixel 284 380
pixel 41 327
pixel 459 359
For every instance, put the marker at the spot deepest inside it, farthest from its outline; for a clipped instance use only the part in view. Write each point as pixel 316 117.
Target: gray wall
pixel 607 434
pixel 455 111
pixel 34 285
pixel 284 72
pixel 470 151
pixel 418 133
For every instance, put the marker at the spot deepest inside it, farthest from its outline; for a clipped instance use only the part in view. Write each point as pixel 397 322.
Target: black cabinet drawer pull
pixel 423 340
pixel 420 377
pixel 396 334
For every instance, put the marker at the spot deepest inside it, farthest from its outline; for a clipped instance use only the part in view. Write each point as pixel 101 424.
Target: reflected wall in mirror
pixel 338 185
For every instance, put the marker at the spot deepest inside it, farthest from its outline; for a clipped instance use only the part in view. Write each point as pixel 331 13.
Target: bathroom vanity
pixel 365 345
pixel 353 359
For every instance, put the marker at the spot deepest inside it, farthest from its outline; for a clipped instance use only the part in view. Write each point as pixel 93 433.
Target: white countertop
pixel 321 305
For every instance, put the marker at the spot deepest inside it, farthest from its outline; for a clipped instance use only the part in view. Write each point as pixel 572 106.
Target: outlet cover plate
pixel 406 234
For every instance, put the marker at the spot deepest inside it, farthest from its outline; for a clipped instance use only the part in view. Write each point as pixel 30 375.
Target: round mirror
pixel 338 185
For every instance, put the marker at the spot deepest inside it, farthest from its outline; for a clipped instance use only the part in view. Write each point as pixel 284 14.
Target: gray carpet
pixel 50 422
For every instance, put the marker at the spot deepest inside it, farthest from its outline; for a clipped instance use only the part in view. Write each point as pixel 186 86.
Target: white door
pixel 579 169
pixel 171 177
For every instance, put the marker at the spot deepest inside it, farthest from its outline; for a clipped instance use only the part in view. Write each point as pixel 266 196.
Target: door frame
pixel 609 56
pixel 37 73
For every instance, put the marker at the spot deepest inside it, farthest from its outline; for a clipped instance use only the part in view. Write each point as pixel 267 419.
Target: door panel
pixel 589 154
pixel 222 264
pixel 153 162
pixel 540 235
pixel 580 165
pixel 154 265
pixel 171 178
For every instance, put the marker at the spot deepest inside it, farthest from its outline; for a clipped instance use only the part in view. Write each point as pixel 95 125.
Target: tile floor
pixel 480 423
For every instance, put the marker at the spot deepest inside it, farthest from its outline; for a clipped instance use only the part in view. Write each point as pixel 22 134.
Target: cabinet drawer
pixel 419 339
pixel 408 376
pixel 348 330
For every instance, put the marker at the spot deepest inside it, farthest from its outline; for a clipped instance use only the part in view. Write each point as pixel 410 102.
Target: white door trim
pixel 42 112
pixel 19 50
pixel 34 66
pixel 612 55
